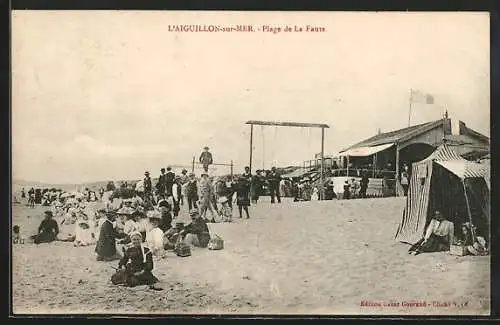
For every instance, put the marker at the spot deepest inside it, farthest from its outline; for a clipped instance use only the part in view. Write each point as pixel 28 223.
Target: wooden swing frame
pixel 293 124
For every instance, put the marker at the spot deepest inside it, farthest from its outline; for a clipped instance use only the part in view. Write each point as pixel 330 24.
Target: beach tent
pixel 446 182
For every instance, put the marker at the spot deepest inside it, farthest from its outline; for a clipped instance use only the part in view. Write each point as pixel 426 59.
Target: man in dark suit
pixel 274 185
pixel 169 181
pixel 160 185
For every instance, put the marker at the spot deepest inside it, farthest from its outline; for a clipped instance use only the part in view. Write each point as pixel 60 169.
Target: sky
pixel 107 95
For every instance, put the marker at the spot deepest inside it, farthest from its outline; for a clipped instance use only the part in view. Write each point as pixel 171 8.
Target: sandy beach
pixel 323 257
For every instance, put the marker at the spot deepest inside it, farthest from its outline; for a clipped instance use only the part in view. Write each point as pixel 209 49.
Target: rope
pixel 263 150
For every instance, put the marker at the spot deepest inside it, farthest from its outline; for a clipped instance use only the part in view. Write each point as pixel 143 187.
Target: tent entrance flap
pixel 365 151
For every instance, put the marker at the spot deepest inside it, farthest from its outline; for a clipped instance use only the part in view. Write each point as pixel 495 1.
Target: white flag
pixel 416 96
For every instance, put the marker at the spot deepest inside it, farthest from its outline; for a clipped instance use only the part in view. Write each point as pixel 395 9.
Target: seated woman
pixel 142 223
pixel 196 233
pixel 129 227
pixel 138 263
pixel 47 231
pixel 476 245
pixel 83 232
pixel 154 237
pixel 438 237
pixel 106 245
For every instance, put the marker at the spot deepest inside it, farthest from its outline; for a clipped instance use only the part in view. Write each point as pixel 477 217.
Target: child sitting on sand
pixel 16 235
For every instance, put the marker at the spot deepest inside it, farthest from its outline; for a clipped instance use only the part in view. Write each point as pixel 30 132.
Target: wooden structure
pixel 416 142
pixel 194 162
pixel 293 124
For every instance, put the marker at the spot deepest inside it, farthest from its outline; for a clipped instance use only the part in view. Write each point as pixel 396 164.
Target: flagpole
pixel 409 112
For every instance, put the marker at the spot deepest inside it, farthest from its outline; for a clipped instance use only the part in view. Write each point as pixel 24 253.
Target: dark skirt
pixel 44 237
pixel 125 277
pixel 243 201
pixel 433 244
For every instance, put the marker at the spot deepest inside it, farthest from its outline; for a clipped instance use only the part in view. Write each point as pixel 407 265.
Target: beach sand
pixel 323 257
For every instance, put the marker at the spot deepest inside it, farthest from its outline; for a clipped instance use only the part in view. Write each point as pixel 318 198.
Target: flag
pixel 416 96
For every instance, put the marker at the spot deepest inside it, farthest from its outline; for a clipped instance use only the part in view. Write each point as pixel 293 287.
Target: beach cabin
pixel 385 153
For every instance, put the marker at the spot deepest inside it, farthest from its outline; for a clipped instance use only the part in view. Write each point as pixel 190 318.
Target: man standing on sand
pixel 148 187
pixel 184 179
pixel 206 192
pixel 160 185
pixel 169 182
pixel 274 184
pixel 206 159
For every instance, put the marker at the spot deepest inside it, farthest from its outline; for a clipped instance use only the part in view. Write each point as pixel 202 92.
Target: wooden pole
pixel 397 168
pixel 251 147
pixel 347 157
pixel 321 174
pixel 468 211
pixel 409 112
pixel 374 164
pixel 192 164
pixel 231 169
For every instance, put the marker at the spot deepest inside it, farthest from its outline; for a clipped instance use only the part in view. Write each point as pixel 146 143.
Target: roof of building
pixel 404 134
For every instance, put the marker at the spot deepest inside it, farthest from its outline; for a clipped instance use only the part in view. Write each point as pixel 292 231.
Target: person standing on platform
pixel 206 159
pixel 274 185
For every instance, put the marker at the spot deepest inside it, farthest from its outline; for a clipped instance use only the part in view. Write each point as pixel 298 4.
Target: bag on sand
pixel 181 249
pixel 216 242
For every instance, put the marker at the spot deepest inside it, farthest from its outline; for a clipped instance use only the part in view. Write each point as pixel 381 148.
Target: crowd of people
pixel 138 223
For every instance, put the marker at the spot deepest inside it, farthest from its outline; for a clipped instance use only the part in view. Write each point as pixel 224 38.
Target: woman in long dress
pixel 137 262
pixel 438 236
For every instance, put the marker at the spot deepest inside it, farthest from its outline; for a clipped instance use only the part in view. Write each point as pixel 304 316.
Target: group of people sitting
pixel 440 235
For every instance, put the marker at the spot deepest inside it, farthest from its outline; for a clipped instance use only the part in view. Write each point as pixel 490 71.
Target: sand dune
pixel 321 257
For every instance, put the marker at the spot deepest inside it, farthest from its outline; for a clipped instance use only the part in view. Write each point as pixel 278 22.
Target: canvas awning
pixel 365 151
pixel 464 168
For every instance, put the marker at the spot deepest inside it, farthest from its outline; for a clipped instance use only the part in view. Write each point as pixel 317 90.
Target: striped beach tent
pixel 446 182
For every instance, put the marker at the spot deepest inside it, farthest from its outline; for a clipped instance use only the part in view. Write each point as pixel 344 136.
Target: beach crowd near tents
pixel 138 223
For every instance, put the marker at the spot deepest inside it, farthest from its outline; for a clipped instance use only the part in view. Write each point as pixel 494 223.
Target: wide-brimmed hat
pixel 204 174
pixel 163 203
pixel 194 213
pixel 146 173
pixel 135 234
pixel 126 211
pixel 49 213
pixel 206 148
pixel 154 215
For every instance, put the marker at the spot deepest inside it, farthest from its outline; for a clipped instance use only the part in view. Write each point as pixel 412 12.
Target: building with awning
pixel 385 153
